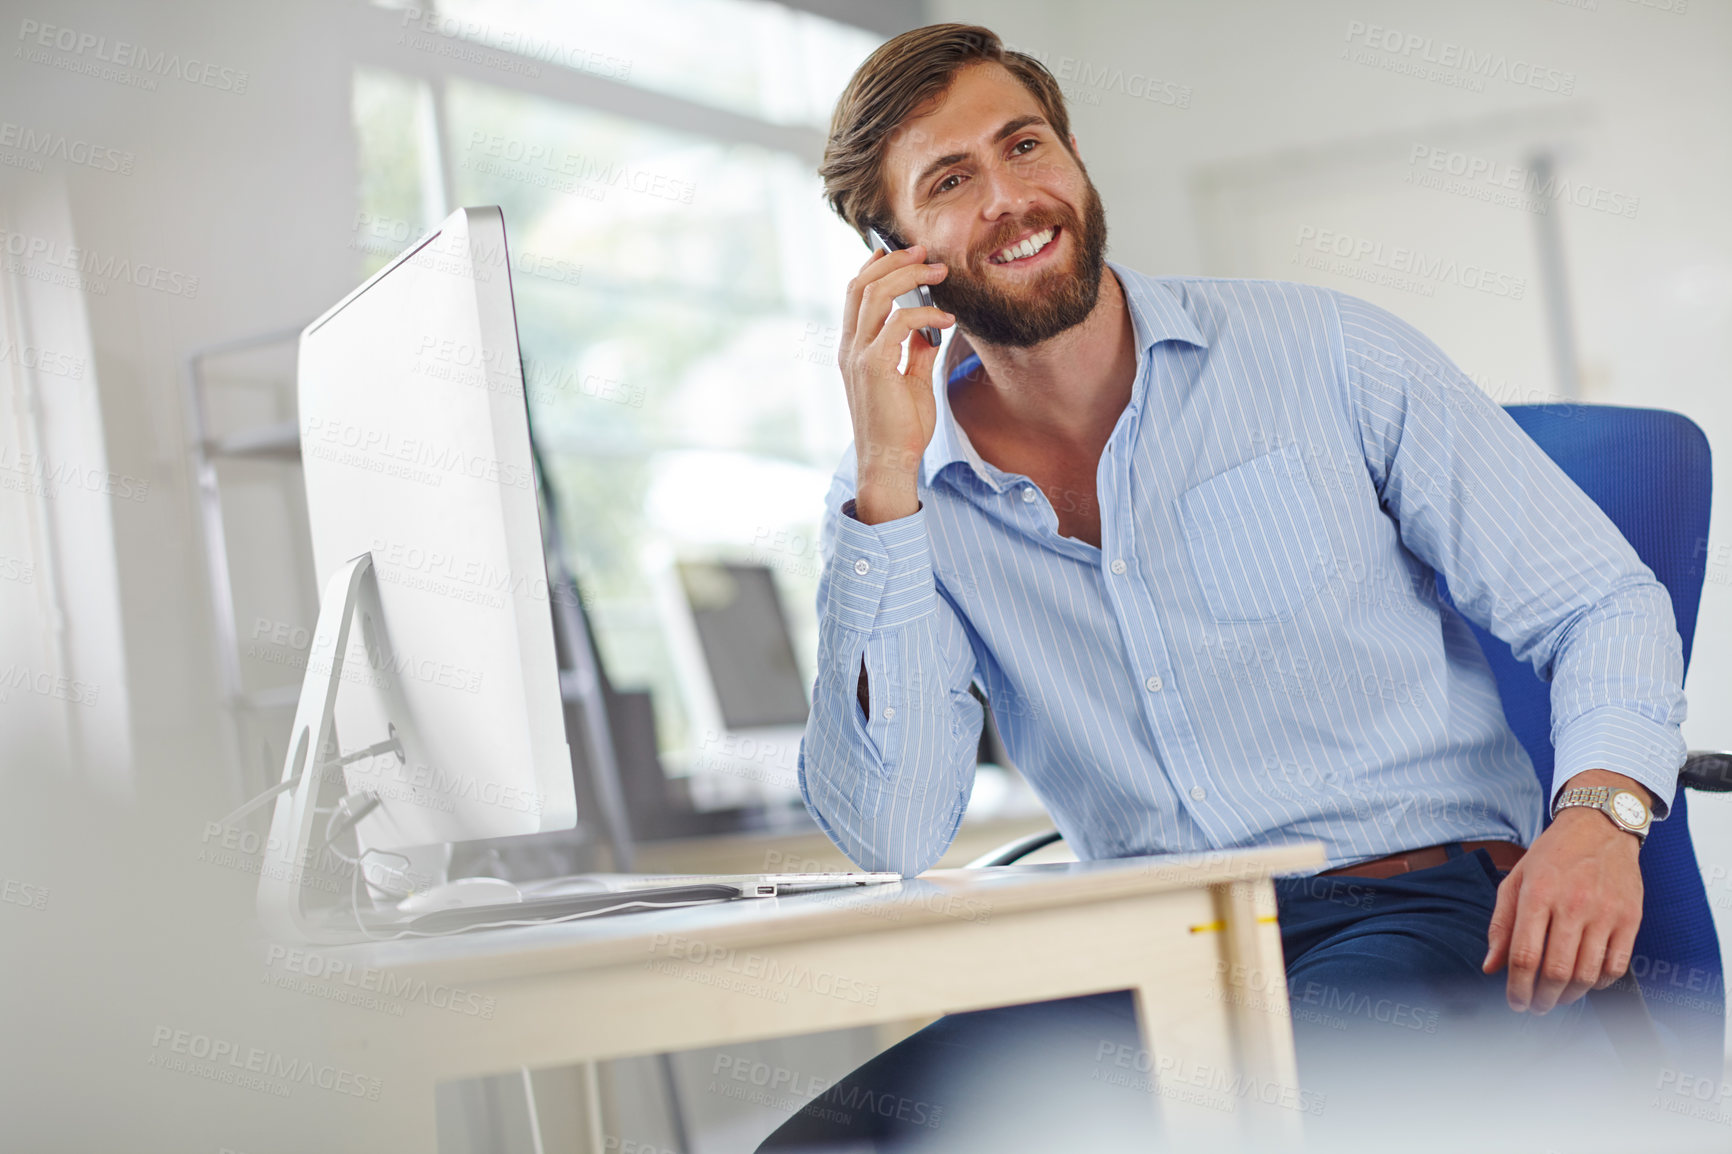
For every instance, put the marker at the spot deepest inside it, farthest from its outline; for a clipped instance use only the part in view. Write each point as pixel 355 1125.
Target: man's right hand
pixel 893 411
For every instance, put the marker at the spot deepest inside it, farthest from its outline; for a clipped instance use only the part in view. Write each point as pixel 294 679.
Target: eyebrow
pixel 1010 126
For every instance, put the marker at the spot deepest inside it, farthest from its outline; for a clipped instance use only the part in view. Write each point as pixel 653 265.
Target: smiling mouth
pixel 1026 248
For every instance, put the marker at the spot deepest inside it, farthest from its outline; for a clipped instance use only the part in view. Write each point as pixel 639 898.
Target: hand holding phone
pixel 893 408
pixel 921 297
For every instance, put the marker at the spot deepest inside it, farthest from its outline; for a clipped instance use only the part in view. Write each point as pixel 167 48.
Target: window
pixel 759 59
pixel 678 294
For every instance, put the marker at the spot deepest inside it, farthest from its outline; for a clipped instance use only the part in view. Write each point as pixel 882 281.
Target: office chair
pixel 1649 470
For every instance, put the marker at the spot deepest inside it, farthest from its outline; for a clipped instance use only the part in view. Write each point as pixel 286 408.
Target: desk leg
pixel 1188 1054
pixel 1255 993
pixel 1218 1035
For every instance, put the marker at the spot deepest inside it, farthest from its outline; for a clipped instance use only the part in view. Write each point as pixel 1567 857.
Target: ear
pixel 1073 147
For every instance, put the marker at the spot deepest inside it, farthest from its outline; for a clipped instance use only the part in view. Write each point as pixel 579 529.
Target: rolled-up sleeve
pixel 1527 555
pixel 888 789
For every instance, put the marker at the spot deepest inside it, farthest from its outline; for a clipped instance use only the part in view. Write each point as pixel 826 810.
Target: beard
pixel 1041 309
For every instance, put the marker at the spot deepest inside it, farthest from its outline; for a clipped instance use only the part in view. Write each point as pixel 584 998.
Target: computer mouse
pixel 462 892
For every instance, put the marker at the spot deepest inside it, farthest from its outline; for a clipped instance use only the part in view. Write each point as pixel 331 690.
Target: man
pixel 1184 532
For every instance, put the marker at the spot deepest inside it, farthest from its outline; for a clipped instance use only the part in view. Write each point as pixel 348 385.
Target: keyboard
pixel 764 885
pixel 543 909
pixel 598 895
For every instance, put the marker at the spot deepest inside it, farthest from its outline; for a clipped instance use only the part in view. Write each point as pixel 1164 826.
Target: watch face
pixel 1629 808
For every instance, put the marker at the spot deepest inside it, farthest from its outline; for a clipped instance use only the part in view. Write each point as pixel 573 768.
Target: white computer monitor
pixel 415 445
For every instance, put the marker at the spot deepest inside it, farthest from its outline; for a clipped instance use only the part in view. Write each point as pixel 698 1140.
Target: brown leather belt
pixel 1504 855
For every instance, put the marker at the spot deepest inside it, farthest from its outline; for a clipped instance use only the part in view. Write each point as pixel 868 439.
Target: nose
pixel 1007 193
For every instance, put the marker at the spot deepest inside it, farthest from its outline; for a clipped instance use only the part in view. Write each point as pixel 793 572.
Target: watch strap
pixel 1589 795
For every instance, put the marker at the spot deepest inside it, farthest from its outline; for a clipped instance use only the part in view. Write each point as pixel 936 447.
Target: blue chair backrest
pixel 1649 471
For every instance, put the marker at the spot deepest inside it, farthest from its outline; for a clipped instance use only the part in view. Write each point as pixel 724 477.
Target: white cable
pixel 350 818
pixel 385 746
pixel 373 887
pixel 255 803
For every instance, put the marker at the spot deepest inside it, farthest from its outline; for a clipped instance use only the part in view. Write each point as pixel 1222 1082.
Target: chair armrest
pixel 1014 851
pixel 1706 771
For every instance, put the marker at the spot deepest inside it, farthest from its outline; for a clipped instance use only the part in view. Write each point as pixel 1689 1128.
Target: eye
pixel 1018 150
pixel 946 184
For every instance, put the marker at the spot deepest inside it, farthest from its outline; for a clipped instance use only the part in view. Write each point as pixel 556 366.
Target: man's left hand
pixel 1567 914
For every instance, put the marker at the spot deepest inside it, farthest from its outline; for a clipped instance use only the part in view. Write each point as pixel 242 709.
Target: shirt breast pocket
pixel 1256 538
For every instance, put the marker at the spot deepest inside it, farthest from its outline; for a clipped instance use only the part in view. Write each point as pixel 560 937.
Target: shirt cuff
pixel 881 575
pixel 1623 742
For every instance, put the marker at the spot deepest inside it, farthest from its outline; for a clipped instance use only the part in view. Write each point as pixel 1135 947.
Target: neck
pixel 1070 388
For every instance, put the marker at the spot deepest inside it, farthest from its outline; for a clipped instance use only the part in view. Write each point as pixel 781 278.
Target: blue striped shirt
pixel 1258 652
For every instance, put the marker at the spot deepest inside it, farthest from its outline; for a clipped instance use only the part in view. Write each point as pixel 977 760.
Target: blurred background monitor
pixel 743 687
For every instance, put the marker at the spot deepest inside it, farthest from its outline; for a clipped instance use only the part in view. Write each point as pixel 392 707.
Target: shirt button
pixel 1028 494
pixel 1118 565
pixel 1154 684
pixel 889 712
pixel 862 566
pixel 1198 793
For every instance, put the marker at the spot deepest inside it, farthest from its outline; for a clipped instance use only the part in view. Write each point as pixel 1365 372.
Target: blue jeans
pixel 1391 1014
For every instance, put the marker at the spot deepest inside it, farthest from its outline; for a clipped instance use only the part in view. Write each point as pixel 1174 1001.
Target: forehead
pixel 980 99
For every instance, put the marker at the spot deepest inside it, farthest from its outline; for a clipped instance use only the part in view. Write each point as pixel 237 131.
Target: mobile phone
pixel 921 297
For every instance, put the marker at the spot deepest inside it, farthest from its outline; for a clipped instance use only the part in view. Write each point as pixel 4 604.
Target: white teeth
pixel 1028 247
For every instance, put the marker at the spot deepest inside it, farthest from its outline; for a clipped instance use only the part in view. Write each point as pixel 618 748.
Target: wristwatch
pixel 1626 809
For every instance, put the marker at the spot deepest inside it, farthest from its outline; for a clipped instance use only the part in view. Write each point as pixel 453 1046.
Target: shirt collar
pixel 1157 314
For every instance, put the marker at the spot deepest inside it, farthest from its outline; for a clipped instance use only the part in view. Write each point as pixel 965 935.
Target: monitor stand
pixel 293 851
pixel 290 852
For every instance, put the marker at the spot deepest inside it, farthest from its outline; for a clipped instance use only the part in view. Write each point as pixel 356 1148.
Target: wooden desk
pixel 1193 936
